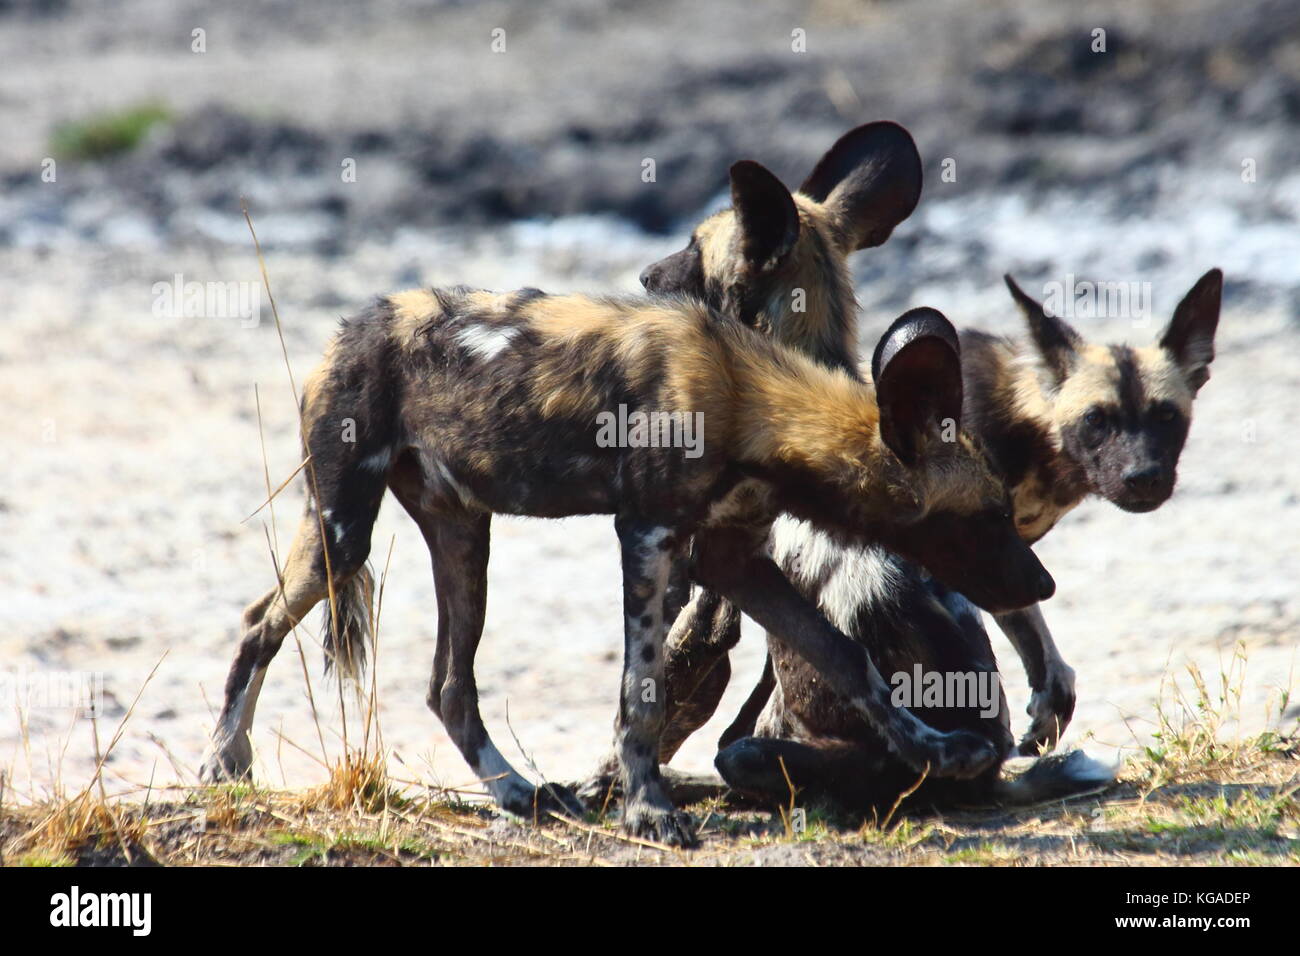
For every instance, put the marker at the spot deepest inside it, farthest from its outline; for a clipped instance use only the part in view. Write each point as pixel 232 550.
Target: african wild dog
pixel 469 404
pixel 802 294
pixel 1062 419
pixel 1067 419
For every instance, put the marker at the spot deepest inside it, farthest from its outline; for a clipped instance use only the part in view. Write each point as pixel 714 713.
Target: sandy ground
pixel 131 458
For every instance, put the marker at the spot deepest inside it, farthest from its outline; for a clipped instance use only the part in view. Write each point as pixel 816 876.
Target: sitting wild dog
pixel 468 404
pixel 1062 420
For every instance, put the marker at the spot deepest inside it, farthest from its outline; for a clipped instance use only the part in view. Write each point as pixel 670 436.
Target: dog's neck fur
pixel 1008 404
pixel 824 326
pixel 793 416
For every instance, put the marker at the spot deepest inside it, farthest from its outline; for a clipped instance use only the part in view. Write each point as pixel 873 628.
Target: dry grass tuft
pixel 87 823
pixel 1197 736
pixel 357 781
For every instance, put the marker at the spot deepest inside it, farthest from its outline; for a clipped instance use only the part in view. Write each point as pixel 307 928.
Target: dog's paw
pixel 660 824
pixel 538 803
pixel 559 799
pixel 228 762
pixel 961 754
pixel 603 786
pixel 599 790
pixel 1050 709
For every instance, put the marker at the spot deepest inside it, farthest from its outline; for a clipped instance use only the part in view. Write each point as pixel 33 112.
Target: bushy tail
pixel 1052 777
pixel 345 645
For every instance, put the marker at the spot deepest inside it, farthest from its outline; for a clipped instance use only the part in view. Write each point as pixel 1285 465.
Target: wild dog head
pixel 779 261
pixel 888 463
pixel 953 512
pixel 1122 413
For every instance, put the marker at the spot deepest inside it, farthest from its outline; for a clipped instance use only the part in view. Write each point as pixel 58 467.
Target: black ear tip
pixel 1206 294
pixel 753 180
pixel 923 314
pixel 887 138
pixel 1028 304
pixel 881 158
pixel 752 172
pixel 914 324
pixel 880 131
pixel 742 173
pixel 904 139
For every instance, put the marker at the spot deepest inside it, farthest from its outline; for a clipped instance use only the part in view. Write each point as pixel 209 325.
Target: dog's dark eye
pixel 1095 418
pixel 1166 414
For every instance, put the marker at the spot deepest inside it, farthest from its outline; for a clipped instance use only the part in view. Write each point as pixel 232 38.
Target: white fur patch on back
pixel 485 341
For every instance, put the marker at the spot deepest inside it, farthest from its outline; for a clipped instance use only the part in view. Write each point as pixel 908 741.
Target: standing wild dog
pixel 469 404
pixel 798 289
pixel 1062 420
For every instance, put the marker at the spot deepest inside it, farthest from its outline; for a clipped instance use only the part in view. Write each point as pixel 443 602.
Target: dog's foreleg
pixel 732 563
pixel 746 721
pixel 696 672
pixel 1051 680
pixel 648 551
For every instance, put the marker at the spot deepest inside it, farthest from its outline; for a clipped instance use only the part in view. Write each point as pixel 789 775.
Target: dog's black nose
pixel 1046 586
pixel 647 277
pixel 1144 481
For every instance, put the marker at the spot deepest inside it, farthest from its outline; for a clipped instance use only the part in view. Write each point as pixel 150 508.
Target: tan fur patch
pixel 805 415
pixel 816 269
pixel 313 388
pixel 761 403
pixel 800 308
pixel 1163 379
pixel 1094 378
pixel 715 237
pixel 587 335
pixel 411 310
pixel 958 477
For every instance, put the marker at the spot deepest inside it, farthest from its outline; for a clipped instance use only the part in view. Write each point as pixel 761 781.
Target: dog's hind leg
pixel 459 545
pixel 697 666
pixel 843 774
pixel 303 584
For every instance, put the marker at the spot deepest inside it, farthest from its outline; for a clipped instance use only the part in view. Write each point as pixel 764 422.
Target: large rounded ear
pixel 870 180
pixel 1189 337
pixel 917 371
pixel 766 218
pixel 1057 342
